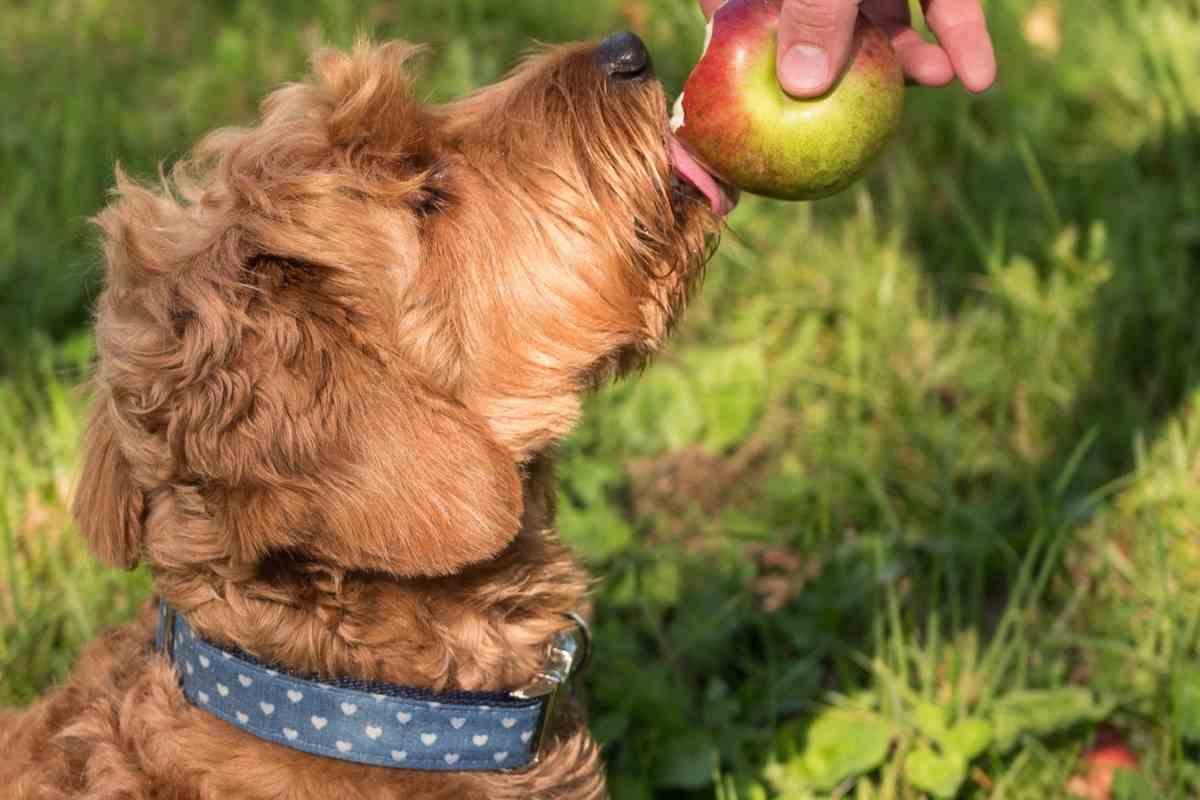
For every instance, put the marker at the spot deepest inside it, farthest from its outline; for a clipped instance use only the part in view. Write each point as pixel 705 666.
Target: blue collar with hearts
pixel 371 723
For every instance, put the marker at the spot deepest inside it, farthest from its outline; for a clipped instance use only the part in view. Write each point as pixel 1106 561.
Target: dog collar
pixel 373 723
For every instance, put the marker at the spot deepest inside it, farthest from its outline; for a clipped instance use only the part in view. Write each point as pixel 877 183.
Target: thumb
pixel 814 43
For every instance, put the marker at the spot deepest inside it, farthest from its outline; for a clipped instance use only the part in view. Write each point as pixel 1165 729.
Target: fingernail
pixel 805 68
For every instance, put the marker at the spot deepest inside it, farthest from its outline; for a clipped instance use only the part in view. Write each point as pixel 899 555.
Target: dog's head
pixel 343 331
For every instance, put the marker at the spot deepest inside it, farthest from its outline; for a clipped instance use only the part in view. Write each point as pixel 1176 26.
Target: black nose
pixel 623 56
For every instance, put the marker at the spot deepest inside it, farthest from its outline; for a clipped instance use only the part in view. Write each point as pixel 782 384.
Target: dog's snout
pixel 623 56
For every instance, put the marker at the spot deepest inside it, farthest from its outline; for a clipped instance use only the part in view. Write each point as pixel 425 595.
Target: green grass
pixel 911 506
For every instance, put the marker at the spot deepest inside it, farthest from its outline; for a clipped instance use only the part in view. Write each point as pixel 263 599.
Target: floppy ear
pixel 322 449
pixel 270 390
pixel 249 336
pixel 108 507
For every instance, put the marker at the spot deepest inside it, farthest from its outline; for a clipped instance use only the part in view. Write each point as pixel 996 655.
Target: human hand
pixel 815 35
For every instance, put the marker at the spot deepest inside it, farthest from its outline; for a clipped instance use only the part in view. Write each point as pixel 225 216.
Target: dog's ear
pixel 107 506
pixel 250 334
pixel 271 390
pixel 309 442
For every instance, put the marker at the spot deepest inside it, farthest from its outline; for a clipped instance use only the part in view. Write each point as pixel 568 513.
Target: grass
pixel 909 509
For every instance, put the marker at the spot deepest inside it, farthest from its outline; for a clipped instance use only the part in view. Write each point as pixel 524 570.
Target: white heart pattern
pixel 373 731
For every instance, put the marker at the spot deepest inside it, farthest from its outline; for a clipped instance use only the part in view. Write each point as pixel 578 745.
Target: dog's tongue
pixel 686 165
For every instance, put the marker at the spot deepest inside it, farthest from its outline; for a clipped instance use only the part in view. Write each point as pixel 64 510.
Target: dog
pixel 336 351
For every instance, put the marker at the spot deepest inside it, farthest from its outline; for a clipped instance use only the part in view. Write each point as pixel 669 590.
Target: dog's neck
pixel 485 628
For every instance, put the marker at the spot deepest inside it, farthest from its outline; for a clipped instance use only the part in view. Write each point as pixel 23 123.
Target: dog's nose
pixel 623 56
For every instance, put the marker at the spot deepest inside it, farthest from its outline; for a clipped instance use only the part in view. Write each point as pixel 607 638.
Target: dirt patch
pixel 686 492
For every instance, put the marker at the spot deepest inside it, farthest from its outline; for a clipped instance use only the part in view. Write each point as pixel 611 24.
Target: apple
pixel 738 122
pixel 1103 763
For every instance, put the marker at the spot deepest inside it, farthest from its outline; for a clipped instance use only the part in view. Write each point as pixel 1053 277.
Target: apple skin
pixel 736 119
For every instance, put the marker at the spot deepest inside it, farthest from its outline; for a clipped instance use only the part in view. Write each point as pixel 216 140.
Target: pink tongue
pixel 698 176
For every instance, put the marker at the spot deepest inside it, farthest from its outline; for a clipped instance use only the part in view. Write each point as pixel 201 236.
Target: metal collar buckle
pixel 570 654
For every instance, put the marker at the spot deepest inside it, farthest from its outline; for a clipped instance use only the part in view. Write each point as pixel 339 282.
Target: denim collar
pixel 371 723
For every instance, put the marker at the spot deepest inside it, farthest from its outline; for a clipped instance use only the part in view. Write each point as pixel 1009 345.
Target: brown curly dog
pixel 336 352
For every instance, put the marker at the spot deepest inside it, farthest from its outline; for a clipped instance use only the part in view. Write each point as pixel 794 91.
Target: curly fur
pixel 336 350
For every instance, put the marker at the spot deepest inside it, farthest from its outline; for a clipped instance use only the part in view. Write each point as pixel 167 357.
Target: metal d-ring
pixel 570 653
pixel 585 643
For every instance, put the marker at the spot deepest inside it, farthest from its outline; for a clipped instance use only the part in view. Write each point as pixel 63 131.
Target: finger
pixel 925 63
pixel 814 42
pixel 962 31
pixel 709 6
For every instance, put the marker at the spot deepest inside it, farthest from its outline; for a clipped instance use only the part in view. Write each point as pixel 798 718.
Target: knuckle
pixel 816 16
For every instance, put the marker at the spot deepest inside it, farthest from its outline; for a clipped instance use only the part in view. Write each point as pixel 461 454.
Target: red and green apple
pixel 736 120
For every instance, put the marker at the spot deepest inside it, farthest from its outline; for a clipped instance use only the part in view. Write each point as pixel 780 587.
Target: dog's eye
pixel 435 195
pixel 430 200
